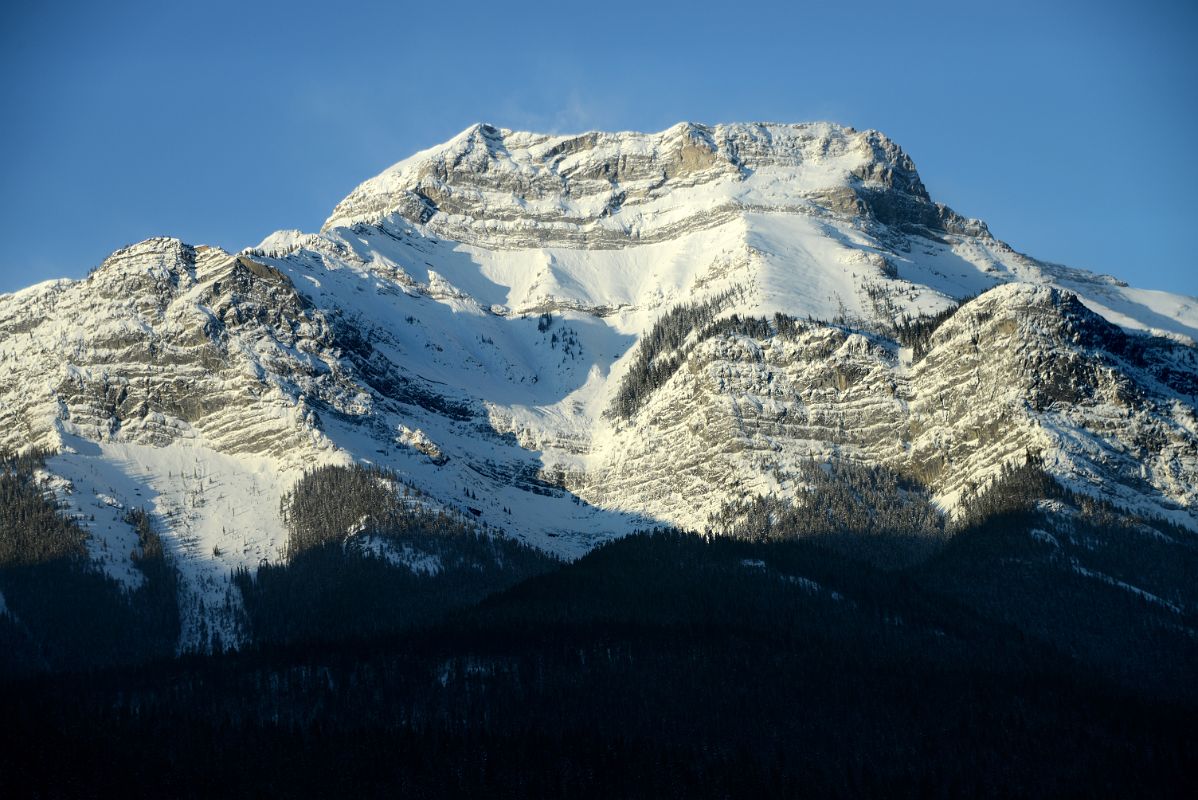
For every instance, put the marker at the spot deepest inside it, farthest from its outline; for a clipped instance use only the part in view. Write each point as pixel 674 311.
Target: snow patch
pixel 215 512
pixel 400 555
pixel 1127 587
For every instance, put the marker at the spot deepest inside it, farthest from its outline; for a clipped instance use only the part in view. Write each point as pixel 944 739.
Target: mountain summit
pixel 606 189
pixel 566 338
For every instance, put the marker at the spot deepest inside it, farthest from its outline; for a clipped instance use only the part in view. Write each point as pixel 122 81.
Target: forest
pixel 864 647
pixel 345 573
pixel 64 613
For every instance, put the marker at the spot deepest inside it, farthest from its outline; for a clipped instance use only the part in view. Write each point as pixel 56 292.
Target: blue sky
pixel 1068 127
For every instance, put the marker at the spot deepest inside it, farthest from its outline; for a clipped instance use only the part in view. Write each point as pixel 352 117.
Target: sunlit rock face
pixel 508 189
pixel 1021 370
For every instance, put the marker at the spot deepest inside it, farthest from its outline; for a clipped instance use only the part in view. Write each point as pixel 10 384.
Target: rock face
pixel 506 189
pixel 467 317
pixel 160 344
pixel 1020 370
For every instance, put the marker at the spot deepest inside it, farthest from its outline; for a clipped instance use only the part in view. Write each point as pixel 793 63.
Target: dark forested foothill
pixel 867 512
pixel 663 665
pixel 365 556
pixel 1002 654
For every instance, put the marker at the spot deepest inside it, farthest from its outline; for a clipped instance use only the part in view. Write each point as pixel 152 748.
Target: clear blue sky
pixel 1069 127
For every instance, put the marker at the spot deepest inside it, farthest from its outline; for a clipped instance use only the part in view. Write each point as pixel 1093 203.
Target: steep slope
pixel 1020 370
pixel 819 213
pixel 468 317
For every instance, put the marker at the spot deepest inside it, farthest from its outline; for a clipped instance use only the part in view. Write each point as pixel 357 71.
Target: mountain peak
pixel 157 260
pixel 494 186
pixel 597 332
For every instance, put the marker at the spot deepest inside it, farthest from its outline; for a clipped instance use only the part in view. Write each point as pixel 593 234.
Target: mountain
pixel 568 338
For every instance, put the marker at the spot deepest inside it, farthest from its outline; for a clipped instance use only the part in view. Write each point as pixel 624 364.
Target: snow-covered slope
pixel 467 316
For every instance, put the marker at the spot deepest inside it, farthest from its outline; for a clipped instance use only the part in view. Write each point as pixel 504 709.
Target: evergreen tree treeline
pixel 659 353
pixel 33 529
pixel 916 332
pixel 870 512
pixel 366 557
pixel 63 611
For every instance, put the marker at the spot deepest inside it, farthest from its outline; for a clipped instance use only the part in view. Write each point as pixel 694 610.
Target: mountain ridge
pixel 640 164
pixel 466 317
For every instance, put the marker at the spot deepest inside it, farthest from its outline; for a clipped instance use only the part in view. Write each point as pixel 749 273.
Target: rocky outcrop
pixel 165 342
pixel 1020 370
pixel 501 188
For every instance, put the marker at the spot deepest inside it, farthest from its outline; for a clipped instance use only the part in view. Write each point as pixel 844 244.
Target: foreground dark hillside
pixel 1045 647
pixel 663 665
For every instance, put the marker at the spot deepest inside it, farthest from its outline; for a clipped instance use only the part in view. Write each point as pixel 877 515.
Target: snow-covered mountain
pixel 570 337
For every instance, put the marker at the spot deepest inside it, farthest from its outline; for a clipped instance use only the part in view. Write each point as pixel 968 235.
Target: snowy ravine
pixel 466 317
